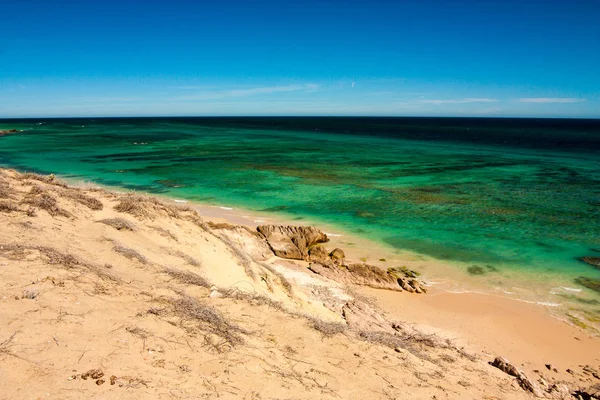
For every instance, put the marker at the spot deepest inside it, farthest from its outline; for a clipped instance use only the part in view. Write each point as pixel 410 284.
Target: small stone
pixel 337 254
pixel 113 379
pixel 215 294
pixel 96 374
pixel 99 382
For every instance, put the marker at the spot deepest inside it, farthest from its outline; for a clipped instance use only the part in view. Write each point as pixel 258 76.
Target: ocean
pixel 495 198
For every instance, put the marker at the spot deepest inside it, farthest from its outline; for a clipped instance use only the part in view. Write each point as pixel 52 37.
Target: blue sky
pixel 439 58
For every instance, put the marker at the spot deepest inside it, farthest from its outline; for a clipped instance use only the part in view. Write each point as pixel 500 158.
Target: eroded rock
pixel 588 393
pixel 337 254
pixel 318 254
pixel 292 242
pixel 505 366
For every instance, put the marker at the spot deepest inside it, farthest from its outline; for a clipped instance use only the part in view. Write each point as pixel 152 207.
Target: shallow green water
pixel 507 195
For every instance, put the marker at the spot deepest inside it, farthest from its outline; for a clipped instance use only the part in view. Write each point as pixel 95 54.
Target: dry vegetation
pixel 52 256
pixel 48 179
pixel 164 232
pixel 7 206
pixel 5 191
pixel 119 224
pixel 197 317
pixel 327 328
pixel 40 198
pixel 188 259
pixel 129 253
pixel 187 278
pixel 90 202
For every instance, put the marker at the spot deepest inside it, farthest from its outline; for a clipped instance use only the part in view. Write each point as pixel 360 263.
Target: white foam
pixel 259 220
pixel 541 303
pixel 226 208
pixel 570 289
pixel 547 304
pixel 333 234
pixel 507 292
pixel 180 201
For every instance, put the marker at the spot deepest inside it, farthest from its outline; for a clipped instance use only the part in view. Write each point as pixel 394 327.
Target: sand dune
pixel 124 296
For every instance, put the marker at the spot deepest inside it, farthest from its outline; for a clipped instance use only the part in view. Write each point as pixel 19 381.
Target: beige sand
pixel 79 295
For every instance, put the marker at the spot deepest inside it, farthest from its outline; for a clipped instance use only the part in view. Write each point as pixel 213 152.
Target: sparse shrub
pixel 31 292
pixel 119 224
pixel 188 278
pixel 8 206
pixel 49 179
pixel 133 205
pixel 164 232
pixel 188 259
pixel 252 297
pixel 90 202
pixel 209 319
pixel 39 198
pixel 327 328
pixel 4 189
pixel 54 257
pixel 130 253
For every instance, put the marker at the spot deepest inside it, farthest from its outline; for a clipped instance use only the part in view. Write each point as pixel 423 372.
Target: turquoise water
pixel 500 194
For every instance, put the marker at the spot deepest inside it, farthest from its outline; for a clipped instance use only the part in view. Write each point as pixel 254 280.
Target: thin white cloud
pixel 223 94
pixel 459 101
pixel 548 100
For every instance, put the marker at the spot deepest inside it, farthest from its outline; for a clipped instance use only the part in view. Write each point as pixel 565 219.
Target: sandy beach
pixel 108 295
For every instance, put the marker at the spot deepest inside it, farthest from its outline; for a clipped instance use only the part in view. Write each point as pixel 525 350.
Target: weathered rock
pixel 503 365
pixel 403 272
pixel 415 284
pixel 292 242
pixel 593 261
pixel 366 275
pixel 589 370
pixel 337 254
pixel 318 254
pixel 403 282
pixel 559 391
pixel 357 274
pixel 588 393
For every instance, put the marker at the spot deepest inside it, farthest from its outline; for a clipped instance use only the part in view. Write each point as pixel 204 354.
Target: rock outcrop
pixel 588 393
pixel 367 275
pixel 318 254
pixel 505 366
pixel 337 255
pixel 292 242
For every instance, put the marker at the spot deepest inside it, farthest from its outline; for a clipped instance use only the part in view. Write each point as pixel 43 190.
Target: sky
pixel 526 58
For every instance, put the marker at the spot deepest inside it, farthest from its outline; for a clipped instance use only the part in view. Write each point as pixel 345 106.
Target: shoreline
pixel 440 276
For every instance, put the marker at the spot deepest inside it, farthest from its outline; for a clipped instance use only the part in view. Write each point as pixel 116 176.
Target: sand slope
pixel 165 307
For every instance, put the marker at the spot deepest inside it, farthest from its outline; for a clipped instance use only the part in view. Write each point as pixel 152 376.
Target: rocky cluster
pixel 306 243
